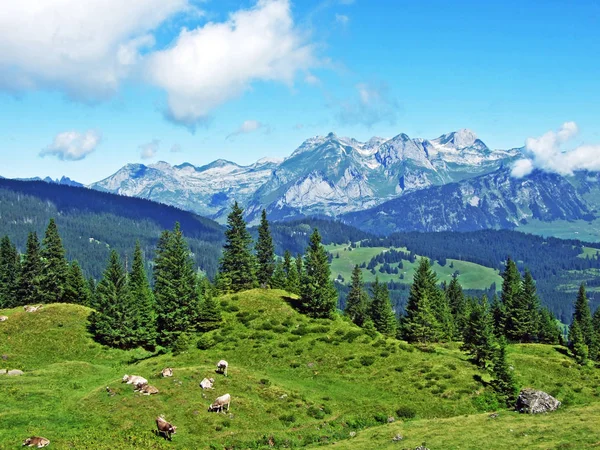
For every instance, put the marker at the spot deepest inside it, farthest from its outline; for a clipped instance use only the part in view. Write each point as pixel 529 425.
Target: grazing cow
pixel 29 308
pixel 164 427
pixel 136 380
pixel 207 383
pixel 222 367
pixel 146 389
pixel 220 403
pixel 3 318
pixel 36 441
pixel 167 372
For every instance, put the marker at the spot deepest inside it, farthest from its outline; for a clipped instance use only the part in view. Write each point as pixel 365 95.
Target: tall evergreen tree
pixel 577 344
pixel 318 295
pixel 112 323
pixel 498 315
pixel 210 309
pixel 548 330
pixel 28 289
pixel 357 299
pixel 380 309
pixel 54 266
pixel 238 263
pixel 457 303
pixel 510 323
pixel 530 304
pixel 9 272
pixel 293 278
pixel 421 306
pixel 478 334
pixel 143 301
pixel 265 252
pixel 299 260
pixel 76 287
pixel 279 279
pixel 177 305
pixel 503 380
pixel 583 317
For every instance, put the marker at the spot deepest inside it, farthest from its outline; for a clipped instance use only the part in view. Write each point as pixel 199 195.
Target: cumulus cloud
pixel 248 126
pixel 547 153
pixel 150 149
pixel 373 104
pixel 72 145
pixel 214 63
pixel 84 49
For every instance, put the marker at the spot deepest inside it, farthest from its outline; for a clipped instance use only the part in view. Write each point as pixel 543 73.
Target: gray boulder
pixel 531 401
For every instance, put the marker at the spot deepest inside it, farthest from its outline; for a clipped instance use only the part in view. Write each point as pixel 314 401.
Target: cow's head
pixel 27 441
pixel 125 378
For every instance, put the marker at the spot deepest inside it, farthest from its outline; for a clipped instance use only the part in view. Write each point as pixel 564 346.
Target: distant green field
pixel 471 275
pixel 589 251
pixel 577 229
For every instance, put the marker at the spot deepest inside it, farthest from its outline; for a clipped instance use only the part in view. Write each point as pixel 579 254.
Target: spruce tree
pixel 577 344
pixel 210 309
pixel 265 252
pixel 498 315
pixel 420 307
pixel 318 295
pixel 380 309
pixel 357 299
pixel 28 289
pixel 54 266
pixel 9 273
pixel 583 317
pixel 511 322
pixel 76 287
pixel 142 300
pixel 478 334
pixel 177 305
pixel 548 330
pixel 293 279
pixel 503 380
pixel 523 316
pixel 237 263
pixel 457 303
pixel 279 279
pixel 113 321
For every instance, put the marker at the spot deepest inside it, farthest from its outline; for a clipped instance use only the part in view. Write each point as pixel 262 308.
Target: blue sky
pixel 103 85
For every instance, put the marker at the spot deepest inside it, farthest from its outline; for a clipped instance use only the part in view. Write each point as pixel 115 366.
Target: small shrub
pixel 294 365
pixel 232 308
pixel 326 409
pixel 287 418
pixel 205 342
pixel 405 412
pixel 384 354
pixel 339 332
pixel 352 335
pixel 452 366
pixel 302 330
pixel 380 418
pixel 283 344
pixel 235 297
pixel 315 412
pixel 294 338
pixel 399 369
pixel 265 382
pixel 487 401
pixel 367 360
pixel 182 344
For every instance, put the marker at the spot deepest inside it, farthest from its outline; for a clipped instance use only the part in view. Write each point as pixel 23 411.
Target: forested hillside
pixel 91 223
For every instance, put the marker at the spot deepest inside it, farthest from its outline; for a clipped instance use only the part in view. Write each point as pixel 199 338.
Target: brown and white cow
pixel 146 389
pixel 220 402
pixel 167 372
pixel 165 428
pixel 136 380
pixel 36 441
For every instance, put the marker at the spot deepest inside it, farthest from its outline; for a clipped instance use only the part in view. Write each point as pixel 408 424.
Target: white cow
pixel 30 308
pixel 222 367
pixel 3 318
pixel 207 383
pixel 220 403
pixel 136 380
pixel 167 372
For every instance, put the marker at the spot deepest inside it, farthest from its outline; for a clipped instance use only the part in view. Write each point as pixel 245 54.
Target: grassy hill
pixel 294 381
pixel 472 275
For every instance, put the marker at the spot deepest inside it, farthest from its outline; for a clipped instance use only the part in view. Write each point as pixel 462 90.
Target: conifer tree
pixel 503 380
pixel 210 309
pixel 357 300
pixel 279 279
pixel 76 287
pixel 142 300
pixel 175 295
pixel 478 334
pixel 457 303
pixel 530 305
pixel 112 323
pixel 548 331
pixel 577 344
pixel 265 252
pixel 91 282
pixel 54 266
pixel 380 309
pixel 28 285
pixel 420 307
pixel 293 278
pixel 498 315
pixel 9 272
pixel 583 317
pixel 510 323
pixel 318 295
pixel 237 263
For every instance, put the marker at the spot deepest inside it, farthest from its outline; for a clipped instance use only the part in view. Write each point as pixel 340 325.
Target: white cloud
pixel 83 48
pixel 374 104
pixel 150 149
pixel 214 63
pixel 309 78
pixel 72 145
pixel 547 153
pixel 342 19
pixel 248 126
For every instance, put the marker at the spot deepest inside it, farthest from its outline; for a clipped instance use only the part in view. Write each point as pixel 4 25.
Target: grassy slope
pixel 564 229
pixel 281 365
pixel 472 276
